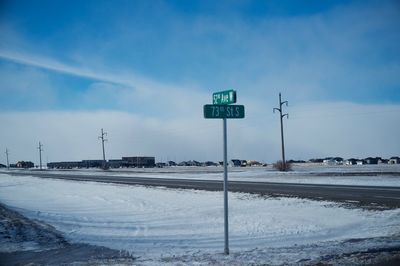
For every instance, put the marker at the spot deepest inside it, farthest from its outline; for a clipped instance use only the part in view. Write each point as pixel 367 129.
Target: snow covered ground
pixel 383 175
pixel 160 225
pixel 28 242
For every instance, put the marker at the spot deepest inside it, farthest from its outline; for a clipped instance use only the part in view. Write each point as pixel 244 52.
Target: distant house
pixel 333 161
pixel 329 161
pixel 351 161
pixel 23 164
pixel 360 162
pixel 193 163
pixel 394 160
pixel 171 163
pixel 236 163
pixel 371 160
pixel 161 165
pixel 296 161
pixel 317 160
pixel 196 163
pixel 2 166
pixel 383 161
pixel 189 163
pixel 253 163
pixel 209 163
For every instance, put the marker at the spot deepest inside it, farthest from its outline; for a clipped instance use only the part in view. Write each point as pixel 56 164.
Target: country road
pixel 360 196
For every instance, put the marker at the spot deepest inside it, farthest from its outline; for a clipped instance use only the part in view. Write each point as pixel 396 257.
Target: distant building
pixel 23 164
pixel 253 163
pixel 209 163
pixel 139 161
pixel 243 163
pixel 190 163
pixel 65 165
pixel 394 160
pixel 351 161
pixel 333 161
pixel 360 162
pixel 371 160
pixel 235 163
pixel 92 163
pixel 171 163
pixel 383 161
pixel 124 162
pixel 317 160
pixel 296 161
pixel 2 166
pixel 116 163
pixel 161 165
pixel 194 163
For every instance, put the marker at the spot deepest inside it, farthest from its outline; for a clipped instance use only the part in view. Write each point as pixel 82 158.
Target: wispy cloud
pixel 121 89
pixel 53 65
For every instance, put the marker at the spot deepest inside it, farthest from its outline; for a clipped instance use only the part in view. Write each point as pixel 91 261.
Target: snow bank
pixel 159 224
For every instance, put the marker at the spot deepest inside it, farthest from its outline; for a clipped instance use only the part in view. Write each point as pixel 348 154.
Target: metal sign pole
pixel 222 108
pixel 226 189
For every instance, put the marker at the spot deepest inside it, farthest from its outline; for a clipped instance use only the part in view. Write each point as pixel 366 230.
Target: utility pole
pixel 281 118
pixel 8 164
pixel 40 154
pixel 102 143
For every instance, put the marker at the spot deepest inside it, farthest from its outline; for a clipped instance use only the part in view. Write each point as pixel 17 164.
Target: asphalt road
pixel 360 196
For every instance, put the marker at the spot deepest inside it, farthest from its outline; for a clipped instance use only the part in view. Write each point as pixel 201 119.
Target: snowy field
pixel 159 225
pixel 384 175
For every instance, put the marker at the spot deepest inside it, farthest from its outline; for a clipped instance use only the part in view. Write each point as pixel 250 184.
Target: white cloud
pixel 343 129
pixel 73 135
pixel 30 84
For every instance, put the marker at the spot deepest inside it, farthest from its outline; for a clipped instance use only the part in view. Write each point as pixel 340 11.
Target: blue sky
pixel 161 60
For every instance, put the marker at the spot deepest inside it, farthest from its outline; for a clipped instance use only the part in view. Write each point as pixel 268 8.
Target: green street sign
pixel 223 111
pixel 224 97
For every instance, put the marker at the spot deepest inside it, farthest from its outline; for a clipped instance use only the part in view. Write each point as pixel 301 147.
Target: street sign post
pixel 224 97
pixel 222 108
pixel 223 111
pixel 226 221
